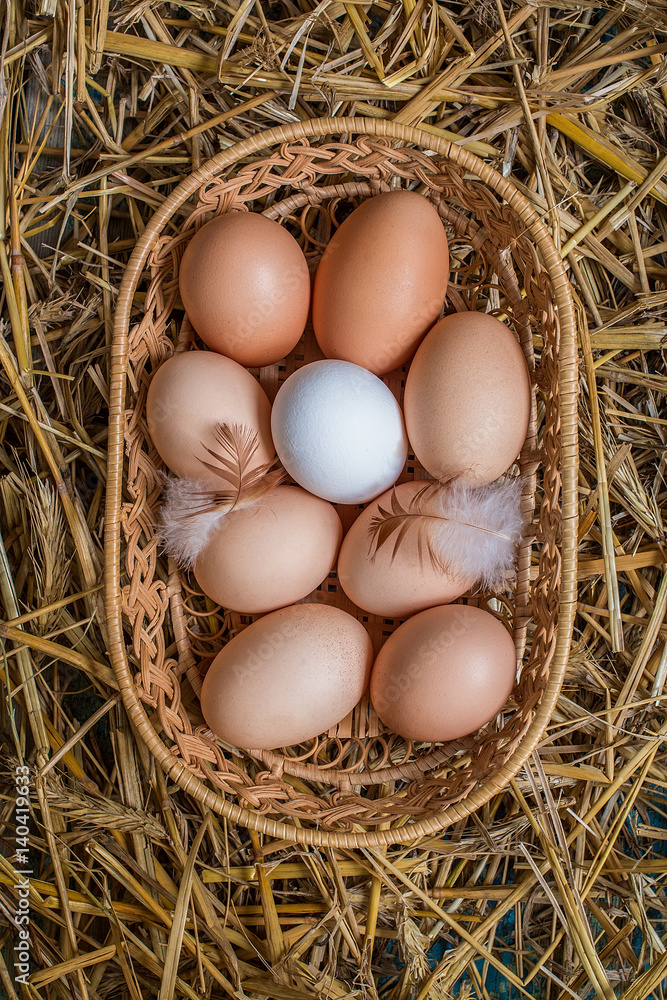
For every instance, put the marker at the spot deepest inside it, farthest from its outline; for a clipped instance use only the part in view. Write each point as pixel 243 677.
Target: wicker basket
pixel 357 785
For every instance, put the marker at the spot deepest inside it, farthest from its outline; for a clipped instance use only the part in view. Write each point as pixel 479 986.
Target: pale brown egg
pixel 381 282
pixel 388 584
pixel 467 398
pixel 245 285
pixel 443 674
pixel 288 677
pixel 192 392
pixel 272 553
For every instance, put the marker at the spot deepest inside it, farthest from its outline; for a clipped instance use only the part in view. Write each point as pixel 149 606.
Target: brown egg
pixel 245 285
pixel 191 393
pixel 393 586
pixel 443 674
pixel 287 677
pixel 467 398
pixel 271 554
pixel 381 282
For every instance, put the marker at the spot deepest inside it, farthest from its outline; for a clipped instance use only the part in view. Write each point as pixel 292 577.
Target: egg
pixel 467 398
pixel 245 285
pixel 272 553
pixel 288 677
pixel 381 282
pixel 443 674
pixel 393 585
pixel 192 392
pixel 339 431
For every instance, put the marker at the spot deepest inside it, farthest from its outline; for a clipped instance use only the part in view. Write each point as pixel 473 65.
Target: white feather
pixel 184 527
pixel 483 528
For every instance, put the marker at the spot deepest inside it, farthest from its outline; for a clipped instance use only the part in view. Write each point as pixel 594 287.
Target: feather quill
pixel 192 510
pixel 459 528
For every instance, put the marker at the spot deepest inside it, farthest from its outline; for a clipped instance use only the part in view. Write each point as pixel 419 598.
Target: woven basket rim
pixel 174 767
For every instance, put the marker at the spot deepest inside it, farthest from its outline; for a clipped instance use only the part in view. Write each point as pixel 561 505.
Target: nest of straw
pixel 555 888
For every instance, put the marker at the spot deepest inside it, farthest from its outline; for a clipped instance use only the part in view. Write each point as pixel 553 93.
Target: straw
pixel 555 886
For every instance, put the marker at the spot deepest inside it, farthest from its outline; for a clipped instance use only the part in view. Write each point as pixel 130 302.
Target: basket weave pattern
pixel 347 783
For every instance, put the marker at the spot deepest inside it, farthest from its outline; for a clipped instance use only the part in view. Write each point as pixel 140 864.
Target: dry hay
pixel 556 888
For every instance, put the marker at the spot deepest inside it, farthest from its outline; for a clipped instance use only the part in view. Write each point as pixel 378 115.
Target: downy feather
pixel 192 510
pixel 460 528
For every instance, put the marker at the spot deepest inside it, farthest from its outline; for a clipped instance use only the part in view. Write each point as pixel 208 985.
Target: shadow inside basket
pixel 494 268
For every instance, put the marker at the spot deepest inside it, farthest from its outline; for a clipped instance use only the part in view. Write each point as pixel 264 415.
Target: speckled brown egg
pixel 272 553
pixel 288 677
pixel 467 398
pixel 192 392
pixel 444 673
pixel 245 285
pixel 381 282
pixel 393 584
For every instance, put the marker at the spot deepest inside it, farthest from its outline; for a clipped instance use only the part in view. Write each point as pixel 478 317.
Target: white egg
pixel 339 431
